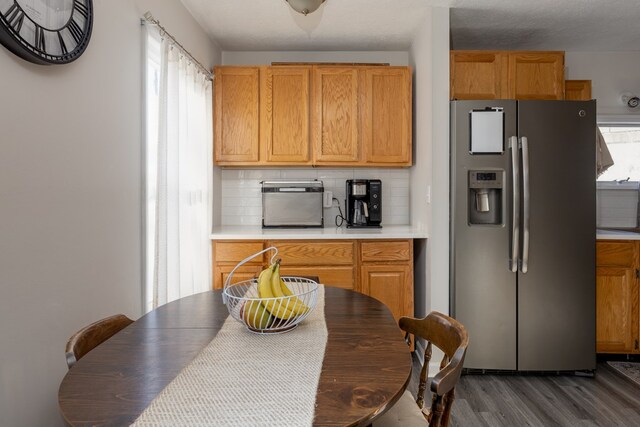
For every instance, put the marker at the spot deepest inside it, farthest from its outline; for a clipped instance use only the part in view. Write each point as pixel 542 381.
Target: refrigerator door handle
pixel 515 211
pixel 526 206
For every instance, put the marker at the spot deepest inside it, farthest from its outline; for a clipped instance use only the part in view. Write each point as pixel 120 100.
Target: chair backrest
pixel 89 337
pixel 451 337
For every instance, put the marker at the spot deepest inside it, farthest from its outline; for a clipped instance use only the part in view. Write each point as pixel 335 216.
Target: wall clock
pixel 46 31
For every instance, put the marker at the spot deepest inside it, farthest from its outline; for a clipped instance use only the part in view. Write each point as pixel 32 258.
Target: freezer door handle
pixel 526 206
pixel 515 202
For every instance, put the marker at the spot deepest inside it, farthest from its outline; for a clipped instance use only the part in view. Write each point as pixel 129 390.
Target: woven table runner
pixel 245 379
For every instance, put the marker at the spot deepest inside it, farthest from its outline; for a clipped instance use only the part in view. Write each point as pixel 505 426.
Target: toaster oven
pixel 292 204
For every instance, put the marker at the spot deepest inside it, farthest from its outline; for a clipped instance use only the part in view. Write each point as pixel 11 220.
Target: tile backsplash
pixel 242 200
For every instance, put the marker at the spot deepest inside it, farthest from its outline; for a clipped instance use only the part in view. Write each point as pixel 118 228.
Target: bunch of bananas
pixel 277 301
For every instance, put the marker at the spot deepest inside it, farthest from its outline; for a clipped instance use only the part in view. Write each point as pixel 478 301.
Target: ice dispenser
pixel 485 197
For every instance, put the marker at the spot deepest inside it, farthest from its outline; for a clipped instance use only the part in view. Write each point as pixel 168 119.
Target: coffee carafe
pixel 364 203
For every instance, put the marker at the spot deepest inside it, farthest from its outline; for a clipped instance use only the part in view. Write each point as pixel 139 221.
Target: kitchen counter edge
pixel 610 234
pixel 332 233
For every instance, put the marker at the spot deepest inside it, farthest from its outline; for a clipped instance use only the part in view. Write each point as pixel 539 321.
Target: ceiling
pixel 337 25
pixel 578 25
pixel 573 25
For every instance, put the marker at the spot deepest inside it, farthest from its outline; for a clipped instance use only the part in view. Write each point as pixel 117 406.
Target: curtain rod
pixel 148 18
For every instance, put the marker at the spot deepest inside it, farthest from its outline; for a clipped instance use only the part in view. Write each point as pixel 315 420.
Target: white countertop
pixel 617 235
pixel 257 233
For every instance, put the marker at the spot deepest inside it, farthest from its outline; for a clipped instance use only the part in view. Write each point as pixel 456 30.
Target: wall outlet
pixel 428 195
pixel 327 200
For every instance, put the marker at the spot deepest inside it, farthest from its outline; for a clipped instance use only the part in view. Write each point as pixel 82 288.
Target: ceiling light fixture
pixel 305 7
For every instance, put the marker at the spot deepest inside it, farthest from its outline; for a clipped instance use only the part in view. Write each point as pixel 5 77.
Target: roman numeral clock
pixel 46 31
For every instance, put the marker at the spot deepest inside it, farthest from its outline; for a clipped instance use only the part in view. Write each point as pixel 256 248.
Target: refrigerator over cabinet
pixel 523 233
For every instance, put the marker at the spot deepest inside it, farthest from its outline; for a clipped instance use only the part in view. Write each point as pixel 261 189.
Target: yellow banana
pixel 284 304
pixel 275 306
pixel 295 304
pixel 264 283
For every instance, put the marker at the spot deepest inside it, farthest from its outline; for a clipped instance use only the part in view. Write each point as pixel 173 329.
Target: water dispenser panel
pixel 485 197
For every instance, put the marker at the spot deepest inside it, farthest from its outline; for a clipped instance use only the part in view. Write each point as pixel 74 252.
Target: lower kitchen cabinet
pixel 222 272
pixel 617 297
pixel 390 285
pixel 330 260
pixel 382 269
pixel 227 254
pixel 340 277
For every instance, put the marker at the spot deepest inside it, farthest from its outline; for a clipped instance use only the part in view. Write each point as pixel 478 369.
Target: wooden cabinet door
pixel 386 115
pixel 284 114
pixel 335 123
pixel 236 115
pixel 478 75
pixel 616 310
pixel 577 90
pixel 536 75
pixel 389 285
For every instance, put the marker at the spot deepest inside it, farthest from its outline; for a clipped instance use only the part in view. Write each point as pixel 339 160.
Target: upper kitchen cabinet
pixel 313 115
pixel 477 74
pixel 577 90
pixel 386 116
pixel 507 75
pixel 536 75
pixel 236 115
pixel 335 116
pixel 284 115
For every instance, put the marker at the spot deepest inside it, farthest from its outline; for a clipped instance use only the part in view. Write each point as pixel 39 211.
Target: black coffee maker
pixel 364 203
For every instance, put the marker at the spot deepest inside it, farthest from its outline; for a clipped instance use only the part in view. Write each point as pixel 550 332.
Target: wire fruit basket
pixel 272 307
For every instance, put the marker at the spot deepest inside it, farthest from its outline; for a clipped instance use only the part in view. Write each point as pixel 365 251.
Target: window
pixel 623 142
pixel 152 99
pixel 178 153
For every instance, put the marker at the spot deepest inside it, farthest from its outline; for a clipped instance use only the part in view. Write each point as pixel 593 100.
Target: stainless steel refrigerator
pixel 523 223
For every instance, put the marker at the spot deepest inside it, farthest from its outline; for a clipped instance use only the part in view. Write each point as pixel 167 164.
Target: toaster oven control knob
pixel 375 206
pixel 375 196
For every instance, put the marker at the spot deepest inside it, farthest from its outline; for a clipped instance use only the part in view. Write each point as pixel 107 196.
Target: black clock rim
pixel 18 48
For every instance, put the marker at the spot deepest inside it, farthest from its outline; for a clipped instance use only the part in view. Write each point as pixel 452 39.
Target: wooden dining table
pixel 366 366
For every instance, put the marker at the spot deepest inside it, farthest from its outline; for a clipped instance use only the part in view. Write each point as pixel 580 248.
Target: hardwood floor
pixel 609 399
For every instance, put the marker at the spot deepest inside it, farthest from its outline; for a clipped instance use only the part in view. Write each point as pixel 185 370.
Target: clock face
pixel 46 31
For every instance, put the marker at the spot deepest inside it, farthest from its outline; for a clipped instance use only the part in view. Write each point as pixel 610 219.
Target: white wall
pixel 70 189
pixel 242 200
pixel 265 58
pixel 612 73
pixel 429 55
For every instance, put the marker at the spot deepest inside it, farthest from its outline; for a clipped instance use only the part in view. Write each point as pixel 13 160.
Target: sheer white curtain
pixel 178 191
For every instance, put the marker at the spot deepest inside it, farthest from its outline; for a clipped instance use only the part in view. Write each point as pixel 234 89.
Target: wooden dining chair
pixel 451 337
pixel 89 337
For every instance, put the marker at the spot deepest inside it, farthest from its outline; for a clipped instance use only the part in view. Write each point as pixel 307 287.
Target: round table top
pixel 366 367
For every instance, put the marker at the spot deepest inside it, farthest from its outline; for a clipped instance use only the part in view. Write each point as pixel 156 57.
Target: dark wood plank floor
pixel 557 400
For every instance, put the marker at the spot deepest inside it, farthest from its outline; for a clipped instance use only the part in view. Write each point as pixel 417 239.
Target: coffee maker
pixel 364 203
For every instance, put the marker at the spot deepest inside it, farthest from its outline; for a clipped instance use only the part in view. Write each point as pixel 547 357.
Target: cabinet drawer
pixel 385 251
pixel 314 252
pixel 615 254
pixel 221 272
pixel 234 252
pixel 340 277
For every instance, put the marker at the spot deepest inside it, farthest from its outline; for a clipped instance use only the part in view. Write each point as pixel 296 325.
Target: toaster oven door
pixel 295 209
